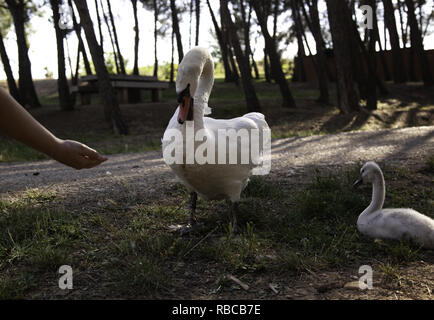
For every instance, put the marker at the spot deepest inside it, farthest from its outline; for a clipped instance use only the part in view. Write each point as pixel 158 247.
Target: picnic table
pixel 127 87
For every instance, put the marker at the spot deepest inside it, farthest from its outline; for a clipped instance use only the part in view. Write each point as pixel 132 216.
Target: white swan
pixel 194 83
pixel 398 224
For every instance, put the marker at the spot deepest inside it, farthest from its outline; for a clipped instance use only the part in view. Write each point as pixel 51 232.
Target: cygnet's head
pixel 368 173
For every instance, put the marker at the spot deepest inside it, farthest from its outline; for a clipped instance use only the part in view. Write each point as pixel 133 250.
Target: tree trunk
pixel 321 59
pixel 121 59
pixel 266 67
pixel 175 23
pixel 155 38
pixel 226 40
pixel 300 73
pixel 255 67
pixel 136 39
pixel 342 34
pixel 417 44
pixel 371 99
pixel 172 67
pixel 399 73
pixel 223 46
pixel 98 19
pixel 252 101
pixel 13 89
pixel 191 23
pixel 106 91
pixel 116 57
pixel 276 67
pixel 235 73
pixel 384 65
pixel 81 46
pixel 246 28
pixel 62 82
pixel 196 43
pixel 401 23
pixel 26 86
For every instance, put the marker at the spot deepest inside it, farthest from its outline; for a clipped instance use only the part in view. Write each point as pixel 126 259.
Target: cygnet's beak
pixel 358 182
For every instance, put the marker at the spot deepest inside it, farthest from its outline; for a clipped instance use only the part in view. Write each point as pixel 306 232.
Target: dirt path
pixel 291 156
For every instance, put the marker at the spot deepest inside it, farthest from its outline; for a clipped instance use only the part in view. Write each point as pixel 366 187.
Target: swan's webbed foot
pixel 184 229
pixel 192 223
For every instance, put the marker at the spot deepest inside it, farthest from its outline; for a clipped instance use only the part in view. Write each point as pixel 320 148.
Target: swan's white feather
pixel 211 181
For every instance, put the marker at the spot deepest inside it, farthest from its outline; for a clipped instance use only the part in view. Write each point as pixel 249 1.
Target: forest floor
pixel 298 237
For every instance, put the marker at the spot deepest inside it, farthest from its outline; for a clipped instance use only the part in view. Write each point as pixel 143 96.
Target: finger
pixel 92 154
pixel 86 164
pixel 94 162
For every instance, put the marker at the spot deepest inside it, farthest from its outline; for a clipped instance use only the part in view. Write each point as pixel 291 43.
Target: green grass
pixel 285 230
pixel 33 240
pixel 430 164
pixel 12 151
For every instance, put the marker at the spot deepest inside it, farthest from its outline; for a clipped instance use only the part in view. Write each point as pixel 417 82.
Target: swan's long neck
pixel 378 194
pixel 201 96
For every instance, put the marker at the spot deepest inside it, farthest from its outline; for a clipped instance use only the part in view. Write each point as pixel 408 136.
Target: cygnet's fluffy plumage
pixel 399 223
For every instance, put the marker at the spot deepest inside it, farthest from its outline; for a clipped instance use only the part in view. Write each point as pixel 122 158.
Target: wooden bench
pixel 127 87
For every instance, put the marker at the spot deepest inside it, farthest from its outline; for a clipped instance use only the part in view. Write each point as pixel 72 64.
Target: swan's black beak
pixel 358 182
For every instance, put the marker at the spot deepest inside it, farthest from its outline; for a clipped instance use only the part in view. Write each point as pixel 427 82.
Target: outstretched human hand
pixel 17 123
pixel 77 155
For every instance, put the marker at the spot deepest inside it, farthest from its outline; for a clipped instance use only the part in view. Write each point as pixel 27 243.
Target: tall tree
pixel 299 73
pixel 175 25
pixel 417 44
pixel 20 14
pixel 276 67
pixel 226 41
pixel 156 12
pixel 404 27
pixel 313 22
pixel 246 18
pixel 81 47
pixel 223 46
pixel 399 74
pixel 371 98
pixel 106 92
pixel 383 59
pixel 13 89
pixel 252 101
pixel 62 82
pixel 115 34
pixel 197 9
pixel 98 19
pixel 172 64
pixel 136 38
pixel 342 34
pixel 112 41
pixel 5 24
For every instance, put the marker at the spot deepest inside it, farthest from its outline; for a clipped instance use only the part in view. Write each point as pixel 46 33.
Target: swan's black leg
pixel 193 200
pixel 234 210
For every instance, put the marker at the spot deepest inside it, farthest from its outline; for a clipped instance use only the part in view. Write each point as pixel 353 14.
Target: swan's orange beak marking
pixel 185 110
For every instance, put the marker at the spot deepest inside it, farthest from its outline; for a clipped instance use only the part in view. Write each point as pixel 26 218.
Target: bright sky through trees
pixel 42 38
